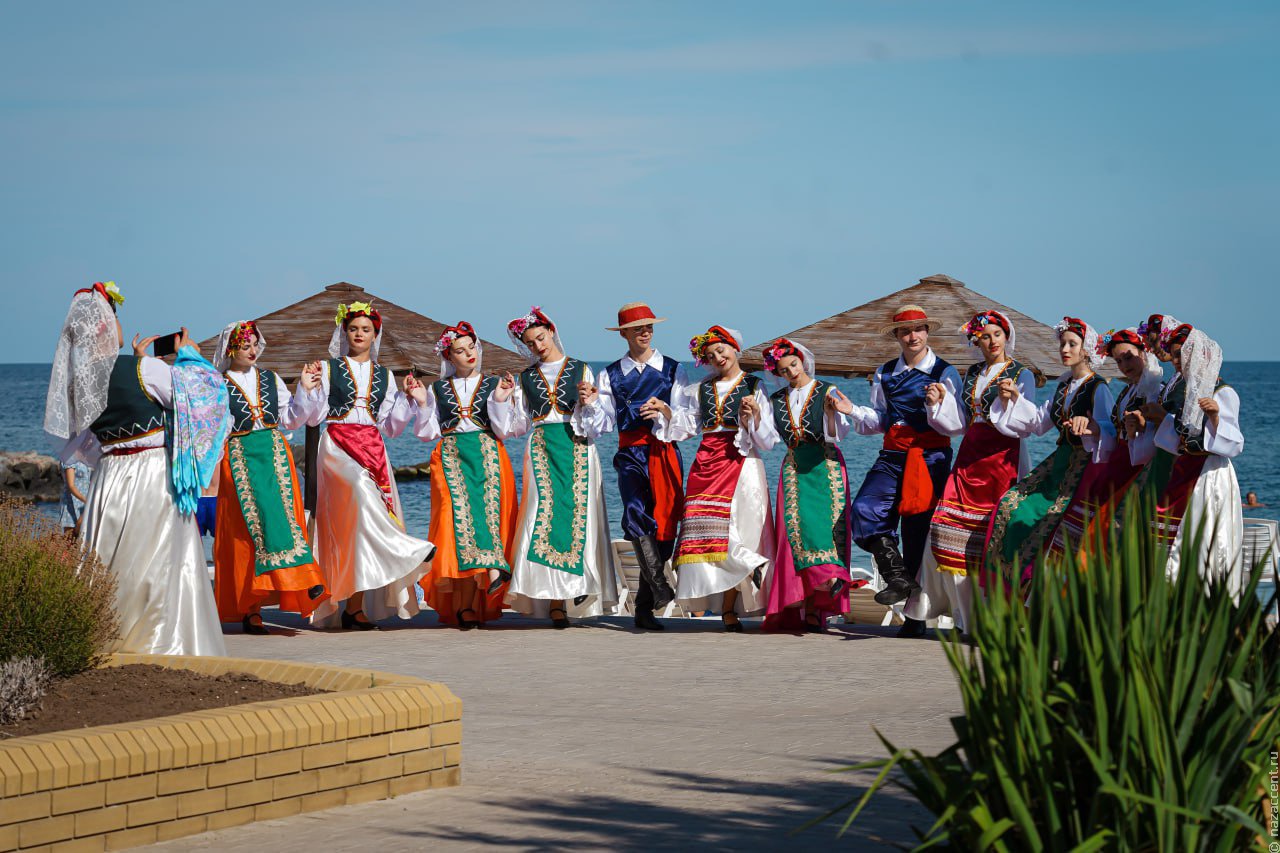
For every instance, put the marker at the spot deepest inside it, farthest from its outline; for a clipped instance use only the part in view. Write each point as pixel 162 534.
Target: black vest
pixel 1125 403
pixel 1081 406
pixel 242 411
pixel 541 399
pixel 452 409
pixel 810 420
pixel 1187 443
pixel 711 417
pixel 342 389
pixel 131 412
pixel 1012 370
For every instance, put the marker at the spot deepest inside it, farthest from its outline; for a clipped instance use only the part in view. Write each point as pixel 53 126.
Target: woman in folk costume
pixel 360 542
pixel 725 549
pixel 158 431
pixel 261 555
pixel 812 539
pixel 990 460
pixel 473 489
pixel 1201 427
pixel 1080 410
pixel 563 559
pixel 1105 484
pixel 1156 332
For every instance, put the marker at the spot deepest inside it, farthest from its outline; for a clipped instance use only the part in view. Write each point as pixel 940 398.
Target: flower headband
pixel 1176 335
pixel 778 350
pixel 983 319
pixel 451 334
pixel 358 309
pixel 108 291
pixel 535 317
pixel 715 335
pixel 1111 337
pixel 241 336
pixel 1073 325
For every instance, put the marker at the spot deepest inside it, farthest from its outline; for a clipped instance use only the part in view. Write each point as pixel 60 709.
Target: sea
pixel 1258 467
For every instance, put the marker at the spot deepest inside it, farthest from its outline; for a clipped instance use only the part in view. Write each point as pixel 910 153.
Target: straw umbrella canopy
pixel 300 333
pixel 850 343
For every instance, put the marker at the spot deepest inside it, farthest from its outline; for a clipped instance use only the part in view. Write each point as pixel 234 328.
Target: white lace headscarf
pixel 516 328
pixel 338 346
pixel 222 358
pixel 806 359
pixel 1090 336
pixel 452 333
pixel 1152 380
pixel 1201 367
pixel 82 364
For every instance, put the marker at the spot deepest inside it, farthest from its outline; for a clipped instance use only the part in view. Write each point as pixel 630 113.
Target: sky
pixel 757 165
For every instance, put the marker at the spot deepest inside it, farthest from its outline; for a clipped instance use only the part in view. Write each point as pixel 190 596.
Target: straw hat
pixel 909 315
pixel 635 314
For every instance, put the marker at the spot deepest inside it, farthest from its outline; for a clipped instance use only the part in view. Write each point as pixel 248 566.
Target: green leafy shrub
pixel 1116 710
pixel 53 604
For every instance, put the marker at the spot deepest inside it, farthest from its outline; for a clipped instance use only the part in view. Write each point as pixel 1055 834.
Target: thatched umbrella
pixel 299 333
pixel 850 343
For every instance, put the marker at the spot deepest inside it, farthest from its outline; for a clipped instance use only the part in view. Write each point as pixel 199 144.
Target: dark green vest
pixel 130 412
pixel 342 389
pixel 451 408
pixel 541 399
pixel 1125 403
pixel 1013 369
pixel 1081 406
pixel 1187 443
pixel 810 420
pixel 727 415
pixel 242 410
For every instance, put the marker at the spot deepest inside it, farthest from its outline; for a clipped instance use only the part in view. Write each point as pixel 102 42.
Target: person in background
pixel 1251 501
pixel 75 486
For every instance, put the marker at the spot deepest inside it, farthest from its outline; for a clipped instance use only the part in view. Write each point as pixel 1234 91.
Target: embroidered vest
pixel 131 412
pixel 904 393
pixel 810 420
pixel 343 391
pixel 1173 402
pixel 1081 405
pixel 242 411
pixel 452 410
pixel 632 390
pixel 1012 369
pixel 712 416
pixel 541 398
pixel 1128 400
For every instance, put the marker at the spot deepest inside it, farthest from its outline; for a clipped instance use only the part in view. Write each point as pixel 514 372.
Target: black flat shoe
pixel 559 622
pixel 912 629
pixel 734 627
pixel 467 624
pixel 645 621
pixel 350 621
pixel 579 599
pixel 819 627
pixel 315 591
pixel 757 578
pixel 255 628
pixel 504 575
pixel 837 587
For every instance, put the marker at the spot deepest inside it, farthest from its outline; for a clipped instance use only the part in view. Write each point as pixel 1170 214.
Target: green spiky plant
pixel 1115 711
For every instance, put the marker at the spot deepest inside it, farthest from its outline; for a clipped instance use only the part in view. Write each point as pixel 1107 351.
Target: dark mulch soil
pixel 101 697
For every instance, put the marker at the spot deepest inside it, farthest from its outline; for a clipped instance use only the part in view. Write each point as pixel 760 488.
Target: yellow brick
pixel 230 817
pixel 119 755
pixel 27 774
pixel 177 746
pixel 381 768
pixel 453 755
pixel 92 844
pixel 8 775
pixel 340 776
pixel 324 800
pixel 135 788
pixel 249 793
pixel 202 802
pixel 46 830
pixel 144 812
pixel 88 759
pixel 279 808
pixel 28 807
pixel 44 770
pixel 305 718
pixel 231 773
pixel 369 747
pixel 285 720
pixel 323 755
pixel 232 741
pixel 61 772
pixel 278 763
pixel 409 784
pixel 137 758
pixel 9 834
pixel 197 743
pixel 150 747
pixel 329 727
pixel 404 711
pixel 368 793
pixel 99 821
pixel 79 798
pixel 421 760
pixel 446 733
pixel 446 778
pixel 179 828
pixel 410 739
pixel 131 838
pixel 295 785
pixel 187 779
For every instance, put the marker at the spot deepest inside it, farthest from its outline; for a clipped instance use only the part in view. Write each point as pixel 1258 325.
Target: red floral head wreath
pixel 462 330
pixel 778 350
pixel 715 335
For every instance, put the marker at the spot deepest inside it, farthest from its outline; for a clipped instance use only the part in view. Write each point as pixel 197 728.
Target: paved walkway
pixel 599 737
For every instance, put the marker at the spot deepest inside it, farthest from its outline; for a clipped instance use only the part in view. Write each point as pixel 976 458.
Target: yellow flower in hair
pixel 361 307
pixel 113 292
pixel 342 315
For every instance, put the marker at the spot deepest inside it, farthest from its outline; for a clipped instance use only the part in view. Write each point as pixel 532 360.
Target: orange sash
pixel 665 479
pixel 917 486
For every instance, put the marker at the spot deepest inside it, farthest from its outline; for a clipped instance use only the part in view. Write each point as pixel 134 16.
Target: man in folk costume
pixel 908 476
pixel 636 392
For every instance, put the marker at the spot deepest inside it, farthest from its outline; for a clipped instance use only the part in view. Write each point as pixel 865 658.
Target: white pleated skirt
pixel 163 594
pixel 701 586
pixel 358 545
pixel 535 585
pixel 1215 506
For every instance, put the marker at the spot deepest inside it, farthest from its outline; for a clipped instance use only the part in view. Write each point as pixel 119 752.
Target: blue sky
pixel 761 165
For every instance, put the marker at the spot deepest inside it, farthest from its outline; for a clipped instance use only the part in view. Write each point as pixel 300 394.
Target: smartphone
pixel 165 345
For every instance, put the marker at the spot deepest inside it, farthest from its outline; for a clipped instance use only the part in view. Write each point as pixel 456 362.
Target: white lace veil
pixel 87 350
pixel 1091 353
pixel 338 346
pixel 1201 366
pixel 532 319
pixel 1148 386
pixel 221 358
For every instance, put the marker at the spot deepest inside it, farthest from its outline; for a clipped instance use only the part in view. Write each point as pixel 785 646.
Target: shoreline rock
pixel 30 476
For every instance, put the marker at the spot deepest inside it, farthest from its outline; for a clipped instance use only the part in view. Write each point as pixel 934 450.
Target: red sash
pixel 363 443
pixel 917 486
pixel 664 478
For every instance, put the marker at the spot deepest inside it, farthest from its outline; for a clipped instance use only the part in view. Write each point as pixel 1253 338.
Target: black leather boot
pixel 897 586
pixel 646 621
pixel 911 629
pixel 651 573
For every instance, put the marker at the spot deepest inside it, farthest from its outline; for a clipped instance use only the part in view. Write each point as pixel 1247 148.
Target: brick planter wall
pixel 111 787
